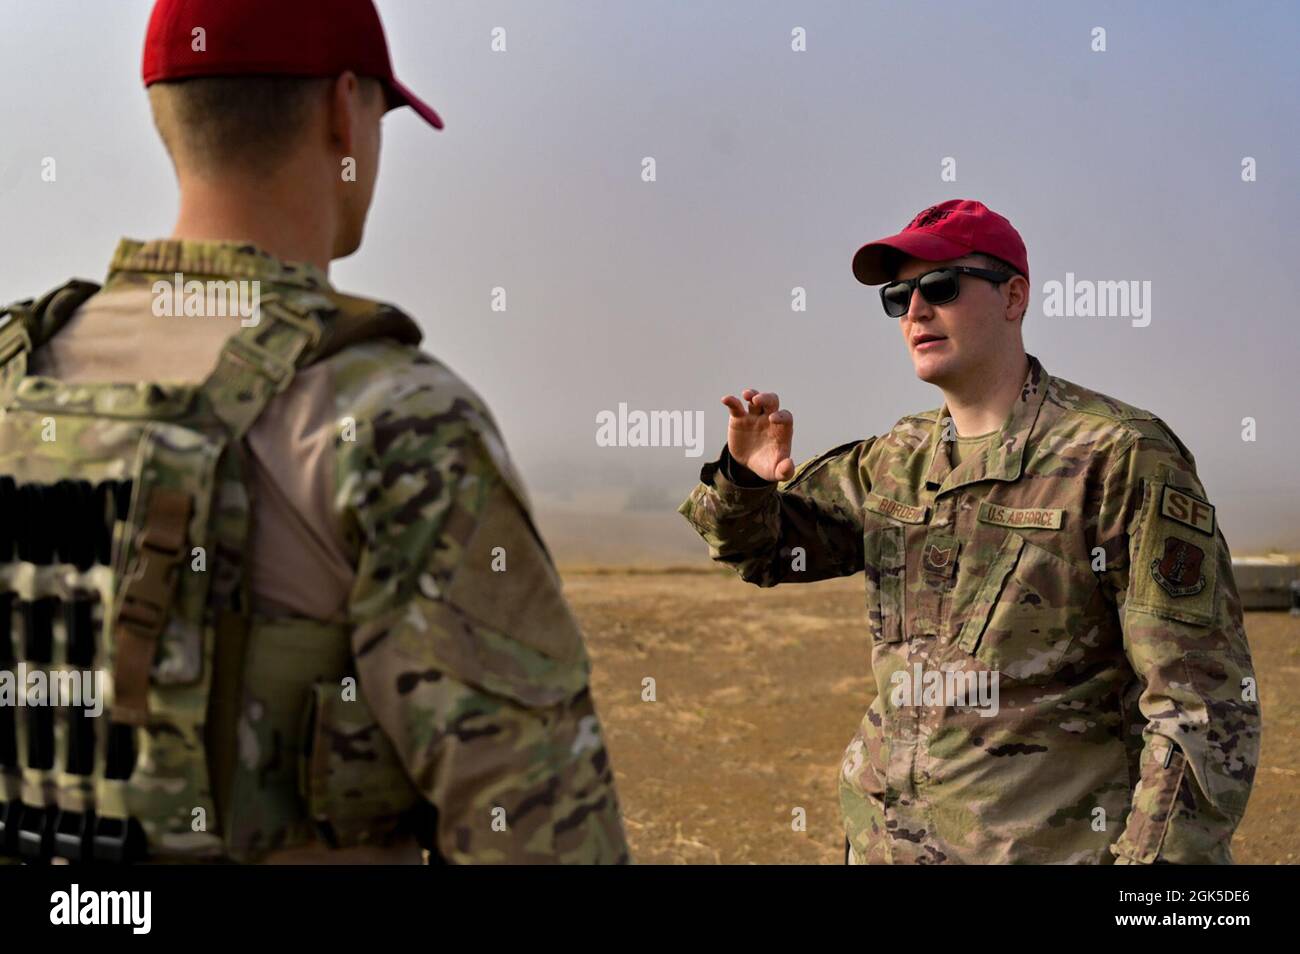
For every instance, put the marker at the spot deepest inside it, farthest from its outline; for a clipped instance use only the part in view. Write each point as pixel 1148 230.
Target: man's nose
pixel 919 309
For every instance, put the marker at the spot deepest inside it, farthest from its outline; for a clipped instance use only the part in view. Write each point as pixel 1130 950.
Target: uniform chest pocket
pixel 1018 610
pixel 885 561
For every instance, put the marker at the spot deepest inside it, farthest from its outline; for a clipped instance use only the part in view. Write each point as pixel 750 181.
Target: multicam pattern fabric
pixel 474 665
pixel 1078 559
pixel 460 677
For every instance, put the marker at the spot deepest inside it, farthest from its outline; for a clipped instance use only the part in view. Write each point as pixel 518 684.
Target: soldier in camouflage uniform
pixel 390 540
pixel 1032 531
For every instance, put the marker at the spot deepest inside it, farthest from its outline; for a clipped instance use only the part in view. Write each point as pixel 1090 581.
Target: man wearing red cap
pixel 1061 673
pixel 386 661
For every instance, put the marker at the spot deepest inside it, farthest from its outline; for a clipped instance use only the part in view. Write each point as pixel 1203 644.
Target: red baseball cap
pixel 948 230
pixel 273 38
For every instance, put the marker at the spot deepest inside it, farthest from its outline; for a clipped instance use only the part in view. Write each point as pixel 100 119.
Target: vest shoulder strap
pixel 361 319
pixel 26 325
pixel 294 329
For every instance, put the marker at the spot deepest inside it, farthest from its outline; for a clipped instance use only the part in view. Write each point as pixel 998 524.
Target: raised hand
pixel 760 434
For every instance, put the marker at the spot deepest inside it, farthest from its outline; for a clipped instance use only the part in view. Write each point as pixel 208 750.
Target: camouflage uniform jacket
pixel 467 652
pixel 1076 560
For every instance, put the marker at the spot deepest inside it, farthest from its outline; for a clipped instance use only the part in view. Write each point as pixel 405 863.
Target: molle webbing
pixel 97 532
pixel 57 611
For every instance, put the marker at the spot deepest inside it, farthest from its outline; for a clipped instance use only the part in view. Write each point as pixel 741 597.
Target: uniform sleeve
pixel 466 650
pixel 806 529
pixel 1169 572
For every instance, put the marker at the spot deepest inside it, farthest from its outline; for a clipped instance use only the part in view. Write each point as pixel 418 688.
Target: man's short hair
pixel 249 123
pixel 993 263
pixel 996 264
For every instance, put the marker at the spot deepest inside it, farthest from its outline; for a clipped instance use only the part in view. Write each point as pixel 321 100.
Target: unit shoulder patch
pixel 1176 567
pixel 1178 570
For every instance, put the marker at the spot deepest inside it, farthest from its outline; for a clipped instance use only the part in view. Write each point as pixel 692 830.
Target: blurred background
pixel 771 166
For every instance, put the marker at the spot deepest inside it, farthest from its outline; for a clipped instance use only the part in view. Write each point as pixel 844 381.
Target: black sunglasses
pixel 937 287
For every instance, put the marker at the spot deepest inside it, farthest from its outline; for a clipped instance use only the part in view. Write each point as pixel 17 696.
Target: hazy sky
pixel 772 167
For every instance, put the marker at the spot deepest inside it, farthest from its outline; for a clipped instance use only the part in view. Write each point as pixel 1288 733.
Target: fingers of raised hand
pixel 734 405
pixel 760 402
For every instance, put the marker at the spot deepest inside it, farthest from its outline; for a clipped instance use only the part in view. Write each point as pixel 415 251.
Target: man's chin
pixel 931 370
pixel 348 243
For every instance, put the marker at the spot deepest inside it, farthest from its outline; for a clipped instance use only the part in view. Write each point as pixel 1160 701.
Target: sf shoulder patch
pixel 1181 506
pixel 1178 571
pixel 1176 564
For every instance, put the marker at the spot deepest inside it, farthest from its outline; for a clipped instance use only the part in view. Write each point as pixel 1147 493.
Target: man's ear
pixel 344 97
pixel 1018 297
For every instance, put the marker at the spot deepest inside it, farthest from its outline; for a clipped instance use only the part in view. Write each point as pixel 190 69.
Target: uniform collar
pixel 1004 457
pixel 238 260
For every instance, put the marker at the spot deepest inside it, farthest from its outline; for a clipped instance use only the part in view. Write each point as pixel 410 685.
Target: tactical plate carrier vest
pixel 123 525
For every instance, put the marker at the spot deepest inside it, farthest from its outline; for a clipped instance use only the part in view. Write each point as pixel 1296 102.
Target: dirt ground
pixel 757 693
